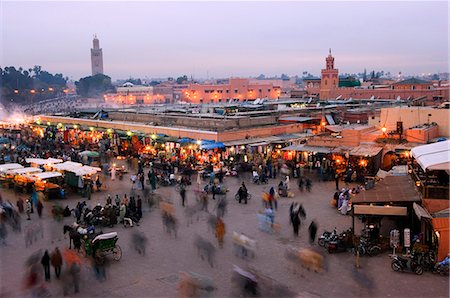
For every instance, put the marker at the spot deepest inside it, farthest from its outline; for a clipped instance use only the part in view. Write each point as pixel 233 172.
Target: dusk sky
pixel 156 39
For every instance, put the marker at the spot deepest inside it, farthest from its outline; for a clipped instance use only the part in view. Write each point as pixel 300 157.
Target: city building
pixel 96 57
pixel 237 89
pixel 330 86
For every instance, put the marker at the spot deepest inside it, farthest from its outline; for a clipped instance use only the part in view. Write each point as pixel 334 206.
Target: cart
pixel 101 246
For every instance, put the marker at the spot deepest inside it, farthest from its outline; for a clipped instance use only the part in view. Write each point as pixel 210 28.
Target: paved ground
pixel 156 274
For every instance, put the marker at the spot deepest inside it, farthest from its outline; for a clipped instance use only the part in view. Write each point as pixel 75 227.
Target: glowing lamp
pixel 383 129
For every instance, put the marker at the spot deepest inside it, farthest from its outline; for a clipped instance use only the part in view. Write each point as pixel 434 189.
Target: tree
pixel 94 85
pixel 181 80
pixel 284 77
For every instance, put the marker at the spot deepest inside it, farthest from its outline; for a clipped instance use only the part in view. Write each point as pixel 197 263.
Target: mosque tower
pixel 330 79
pixel 96 57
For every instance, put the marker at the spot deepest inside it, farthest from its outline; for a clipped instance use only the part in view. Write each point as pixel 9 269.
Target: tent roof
pixel 67 166
pixel 421 212
pixel 10 166
pixel 380 210
pixel 434 156
pixel 365 151
pixel 391 189
pixel 42 161
pixel 25 170
pixel 46 175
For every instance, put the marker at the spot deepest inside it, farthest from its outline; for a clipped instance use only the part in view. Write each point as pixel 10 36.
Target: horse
pixel 74 237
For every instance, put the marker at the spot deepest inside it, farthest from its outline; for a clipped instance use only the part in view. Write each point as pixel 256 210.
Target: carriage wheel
pixel 117 253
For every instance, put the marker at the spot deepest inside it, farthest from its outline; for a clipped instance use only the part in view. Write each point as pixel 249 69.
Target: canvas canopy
pixel 434 156
pixel 380 210
pixel 46 175
pixel 85 170
pixel 10 166
pixel 28 170
pixel 67 166
pixel 42 161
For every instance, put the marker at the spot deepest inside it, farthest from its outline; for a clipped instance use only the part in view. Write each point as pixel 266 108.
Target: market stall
pixel 22 181
pixel 7 179
pixel 49 184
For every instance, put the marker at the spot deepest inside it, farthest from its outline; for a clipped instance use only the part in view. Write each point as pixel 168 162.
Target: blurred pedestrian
pixel 28 209
pixel 294 215
pixel 45 261
pixel 220 231
pixel 20 205
pixel 183 194
pixel 312 232
pixel 56 260
pixel 39 208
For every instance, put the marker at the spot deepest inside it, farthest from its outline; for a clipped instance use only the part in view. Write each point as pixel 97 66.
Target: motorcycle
pixel 366 247
pixel 405 264
pixel 442 267
pixel 326 238
pixel 340 243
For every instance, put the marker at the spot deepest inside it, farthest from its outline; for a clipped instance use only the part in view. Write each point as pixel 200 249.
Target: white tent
pixel 46 175
pixel 41 161
pixel 67 166
pixel 10 166
pixel 25 171
pixel 434 156
pixel 85 170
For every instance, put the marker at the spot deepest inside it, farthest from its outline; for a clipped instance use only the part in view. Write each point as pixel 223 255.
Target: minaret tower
pixel 96 57
pixel 330 79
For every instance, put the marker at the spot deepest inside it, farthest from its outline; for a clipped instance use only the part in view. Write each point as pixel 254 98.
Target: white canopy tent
pixel 434 156
pixel 67 166
pixel 46 175
pixel 85 170
pixel 10 166
pixel 42 161
pixel 28 170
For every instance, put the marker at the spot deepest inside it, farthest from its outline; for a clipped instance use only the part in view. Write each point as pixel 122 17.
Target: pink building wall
pixel 237 88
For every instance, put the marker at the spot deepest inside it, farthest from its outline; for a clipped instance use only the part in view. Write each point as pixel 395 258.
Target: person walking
pixel 56 260
pixel 45 261
pixel 39 208
pixel 153 180
pixel 113 173
pixel 88 190
pixel 183 194
pixel 294 211
pixel 28 209
pixel 142 180
pixel 220 231
pixel 117 201
pixel 20 205
pixel 336 180
pixel 312 232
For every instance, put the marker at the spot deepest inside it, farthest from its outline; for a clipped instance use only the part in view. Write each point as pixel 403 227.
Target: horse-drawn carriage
pixel 101 245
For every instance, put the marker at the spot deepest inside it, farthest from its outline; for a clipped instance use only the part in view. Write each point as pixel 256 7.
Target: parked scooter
pixel 442 267
pixel 327 237
pixel 341 243
pixel 405 264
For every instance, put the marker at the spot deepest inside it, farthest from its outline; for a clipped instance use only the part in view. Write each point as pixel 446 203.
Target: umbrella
pixel 5 141
pixel 90 153
pixel 22 148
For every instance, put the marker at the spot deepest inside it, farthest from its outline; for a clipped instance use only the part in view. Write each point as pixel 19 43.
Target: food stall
pixel 43 163
pixel 48 183
pixel 22 181
pixel 7 180
pixel 72 176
